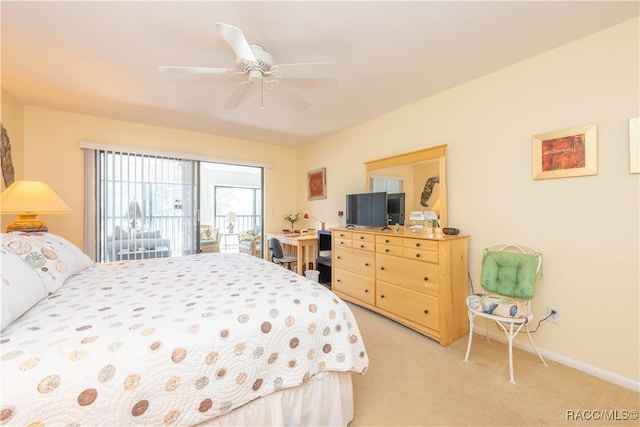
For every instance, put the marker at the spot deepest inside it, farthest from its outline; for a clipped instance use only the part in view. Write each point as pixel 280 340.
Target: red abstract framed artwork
pixel 565 153
pixel 317 184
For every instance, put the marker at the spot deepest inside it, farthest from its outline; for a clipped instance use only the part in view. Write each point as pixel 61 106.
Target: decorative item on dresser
pixel 418 280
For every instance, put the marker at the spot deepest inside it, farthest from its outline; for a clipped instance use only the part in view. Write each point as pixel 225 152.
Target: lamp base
pixel 27 224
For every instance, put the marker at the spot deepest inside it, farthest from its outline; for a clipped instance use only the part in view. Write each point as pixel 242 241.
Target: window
pixel 246 203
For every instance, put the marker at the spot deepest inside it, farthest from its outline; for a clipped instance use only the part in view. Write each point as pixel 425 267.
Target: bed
pixel 208 339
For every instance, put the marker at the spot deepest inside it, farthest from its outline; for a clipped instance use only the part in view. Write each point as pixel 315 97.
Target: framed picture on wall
pixel 565 153
pixel 634 145
pixel 317 184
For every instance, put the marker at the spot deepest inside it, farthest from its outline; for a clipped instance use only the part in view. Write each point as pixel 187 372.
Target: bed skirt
pixel 326 400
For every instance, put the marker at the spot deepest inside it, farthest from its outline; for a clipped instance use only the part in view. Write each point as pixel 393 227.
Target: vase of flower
pixel 292 218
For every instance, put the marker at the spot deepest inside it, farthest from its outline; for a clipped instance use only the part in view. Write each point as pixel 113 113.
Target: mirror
pixel 420 174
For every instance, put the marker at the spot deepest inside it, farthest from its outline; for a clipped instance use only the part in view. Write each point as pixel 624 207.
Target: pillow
pixel 509 273
pixel 119 233
pixel 52 257
pixel 20 288
pixel 504 306
pixel 81 259
pixel 210 234
pixel 247 235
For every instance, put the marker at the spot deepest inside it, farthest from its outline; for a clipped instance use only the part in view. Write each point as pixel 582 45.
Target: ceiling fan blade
pixel 311 70
pixel 237 41
pixel 293 98
pixel 197 70
pixel 238 95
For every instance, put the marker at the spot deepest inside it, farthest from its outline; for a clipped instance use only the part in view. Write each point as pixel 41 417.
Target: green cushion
pixel 510 274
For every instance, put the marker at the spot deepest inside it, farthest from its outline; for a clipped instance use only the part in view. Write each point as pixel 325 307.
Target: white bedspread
pixel 171 341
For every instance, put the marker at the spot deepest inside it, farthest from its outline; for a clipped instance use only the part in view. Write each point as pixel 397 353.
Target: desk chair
pixel 277 254
pixel 509 275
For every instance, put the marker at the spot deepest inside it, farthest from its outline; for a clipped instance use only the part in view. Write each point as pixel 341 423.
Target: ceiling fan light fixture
pixel 255 74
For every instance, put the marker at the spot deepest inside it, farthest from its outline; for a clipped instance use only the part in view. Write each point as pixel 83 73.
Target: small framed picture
pixel 317 184
pixel 565 153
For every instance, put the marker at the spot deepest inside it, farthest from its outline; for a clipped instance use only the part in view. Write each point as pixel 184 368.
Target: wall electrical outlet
pixel 553 318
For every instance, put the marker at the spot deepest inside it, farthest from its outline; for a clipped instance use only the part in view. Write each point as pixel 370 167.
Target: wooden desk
pixel 306 247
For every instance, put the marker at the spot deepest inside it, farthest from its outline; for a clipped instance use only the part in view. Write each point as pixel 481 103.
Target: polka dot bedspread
pixel 171 341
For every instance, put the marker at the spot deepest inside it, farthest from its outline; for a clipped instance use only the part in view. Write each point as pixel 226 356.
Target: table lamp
pixel 231 218
pixel 134 212
pixel 319 224
pixel 29 199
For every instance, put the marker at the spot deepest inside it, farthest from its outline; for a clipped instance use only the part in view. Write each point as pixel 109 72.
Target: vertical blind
pixel 146 199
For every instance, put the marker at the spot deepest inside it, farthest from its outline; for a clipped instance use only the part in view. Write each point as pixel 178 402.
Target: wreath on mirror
pixel 8 172
pixel 428 189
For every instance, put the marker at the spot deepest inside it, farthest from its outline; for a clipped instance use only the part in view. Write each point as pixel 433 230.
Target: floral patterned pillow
pixel 52 257
pixel 21 288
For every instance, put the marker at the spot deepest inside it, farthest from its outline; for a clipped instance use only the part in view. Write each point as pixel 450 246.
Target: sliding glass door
pixel 141 206
pixel 145 206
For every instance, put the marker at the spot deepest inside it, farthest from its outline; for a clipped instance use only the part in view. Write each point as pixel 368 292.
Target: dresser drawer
pixel 382 248
pixel 360 287
pixel 389 240
pixel 363 237
pixel 364 246
pixel 417 276
pixel 422 244
pixel 343 234
pixel 342 243
pixel 420 255
pixel 355 260
pixel 413 306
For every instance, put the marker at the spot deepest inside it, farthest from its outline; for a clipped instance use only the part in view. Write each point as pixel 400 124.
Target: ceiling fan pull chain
pixel 262 94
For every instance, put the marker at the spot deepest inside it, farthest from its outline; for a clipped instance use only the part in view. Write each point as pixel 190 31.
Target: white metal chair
pixel 509 275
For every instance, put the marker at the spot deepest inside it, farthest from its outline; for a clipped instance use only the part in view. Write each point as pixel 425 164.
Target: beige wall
pixel 587 228
pixel 52 154
pixel 12 116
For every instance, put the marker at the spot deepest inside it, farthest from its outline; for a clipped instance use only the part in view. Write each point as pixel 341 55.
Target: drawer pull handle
pixel 361 246
pixel 361 237
pixel 338 280
pixel 386 241
pixel 417 245
pixel 382 296
pixel 417 255
pixel 426 312
pixel 366 264
pixel 426 278
pixel 386 250
pixel 339 257
pixel 366 291
pixel 381 268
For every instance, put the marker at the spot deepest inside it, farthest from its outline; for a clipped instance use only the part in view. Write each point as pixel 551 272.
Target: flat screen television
pixel 395 208
pixel 367 209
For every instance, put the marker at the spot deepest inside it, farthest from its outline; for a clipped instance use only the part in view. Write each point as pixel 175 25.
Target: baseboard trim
pixel 563 360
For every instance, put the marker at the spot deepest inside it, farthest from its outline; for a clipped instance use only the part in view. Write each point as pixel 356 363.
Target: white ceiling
pixel 102 58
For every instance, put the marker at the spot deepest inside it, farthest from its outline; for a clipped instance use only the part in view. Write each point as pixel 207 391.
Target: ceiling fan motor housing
pixel 261 67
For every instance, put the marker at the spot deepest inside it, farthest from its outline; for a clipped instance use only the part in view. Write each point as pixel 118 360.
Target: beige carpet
pixel 413 381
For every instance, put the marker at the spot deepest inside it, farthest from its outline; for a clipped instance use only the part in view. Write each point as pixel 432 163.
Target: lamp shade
pixel 28 199
pixel 34 197
pixel 231 217
pixel 134 210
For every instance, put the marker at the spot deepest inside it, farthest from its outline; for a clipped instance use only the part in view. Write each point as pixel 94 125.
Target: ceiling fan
pixel 257 65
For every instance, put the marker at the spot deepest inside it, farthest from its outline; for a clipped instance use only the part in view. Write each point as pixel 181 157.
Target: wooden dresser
pixel 418 280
